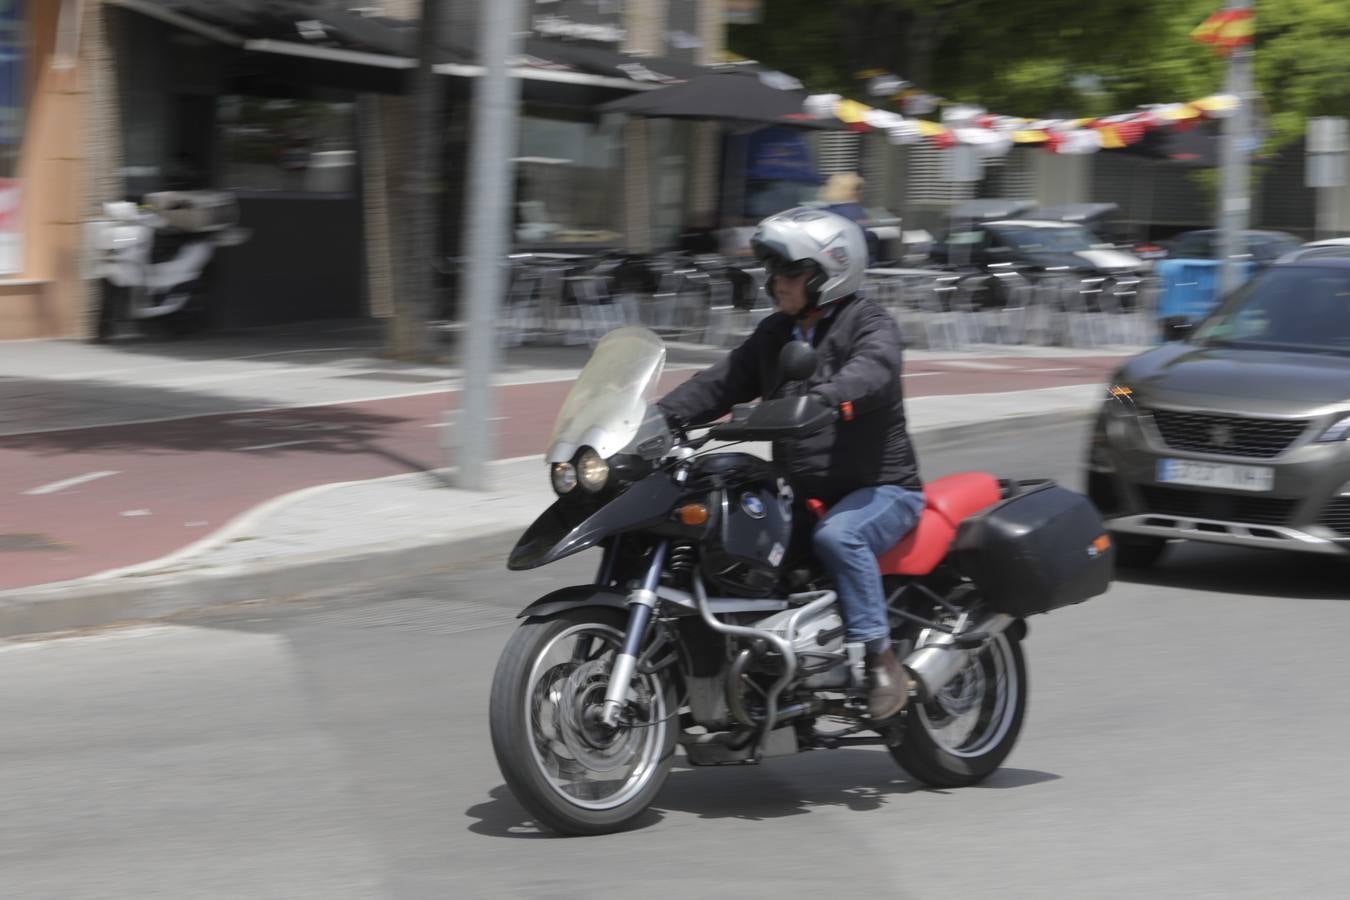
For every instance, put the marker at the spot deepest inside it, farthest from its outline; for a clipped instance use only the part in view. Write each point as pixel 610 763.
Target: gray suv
pixel 1238 431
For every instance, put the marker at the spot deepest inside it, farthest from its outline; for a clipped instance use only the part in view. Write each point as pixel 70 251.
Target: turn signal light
pixel 693 514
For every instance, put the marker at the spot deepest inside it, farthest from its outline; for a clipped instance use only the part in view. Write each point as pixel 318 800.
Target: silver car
pixel 1238 432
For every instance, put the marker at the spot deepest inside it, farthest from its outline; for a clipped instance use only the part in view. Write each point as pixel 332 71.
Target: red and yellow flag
pixel 1226 29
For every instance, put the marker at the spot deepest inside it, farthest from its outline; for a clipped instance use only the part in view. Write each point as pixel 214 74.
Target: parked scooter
pixel 152 259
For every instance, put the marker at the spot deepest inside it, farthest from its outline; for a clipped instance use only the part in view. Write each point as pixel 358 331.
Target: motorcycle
pixel 152 259
pixel 705 628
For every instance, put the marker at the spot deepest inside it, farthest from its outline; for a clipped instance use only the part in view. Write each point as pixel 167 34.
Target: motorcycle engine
pixel 819 643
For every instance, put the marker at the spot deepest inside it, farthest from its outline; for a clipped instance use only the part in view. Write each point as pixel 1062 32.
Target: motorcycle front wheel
pixel 576 776
pixel 962 735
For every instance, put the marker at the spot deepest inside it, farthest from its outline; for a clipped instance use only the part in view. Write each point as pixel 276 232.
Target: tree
pixel 416 225
pixel 1058 57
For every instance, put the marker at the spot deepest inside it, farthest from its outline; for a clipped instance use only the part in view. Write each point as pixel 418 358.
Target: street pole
pixel 1234 197
pixel 495 114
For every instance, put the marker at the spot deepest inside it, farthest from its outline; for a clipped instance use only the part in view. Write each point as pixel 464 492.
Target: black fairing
pixel 569 527
pixel 744 553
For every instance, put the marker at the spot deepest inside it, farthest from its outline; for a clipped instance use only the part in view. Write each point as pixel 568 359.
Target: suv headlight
pixel 1338 432
pixel 592 471
pixel 564 476
pixel 1120 400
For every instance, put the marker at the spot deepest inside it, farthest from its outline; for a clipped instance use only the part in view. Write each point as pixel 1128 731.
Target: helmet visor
pixel 776 265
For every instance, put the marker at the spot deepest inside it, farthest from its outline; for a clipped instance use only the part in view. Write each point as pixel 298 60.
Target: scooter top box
pixel 195 211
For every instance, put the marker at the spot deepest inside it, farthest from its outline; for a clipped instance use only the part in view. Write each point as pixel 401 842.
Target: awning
pixel 749 97
pixel 306 30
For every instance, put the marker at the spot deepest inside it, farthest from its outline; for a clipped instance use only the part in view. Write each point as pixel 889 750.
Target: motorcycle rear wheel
pixel 965 733
pixel 574 776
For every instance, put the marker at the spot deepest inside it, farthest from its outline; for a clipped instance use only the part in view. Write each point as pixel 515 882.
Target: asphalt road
pixel 1185 738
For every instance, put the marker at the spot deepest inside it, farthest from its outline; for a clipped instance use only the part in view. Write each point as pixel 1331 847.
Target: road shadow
pixel 853 779
pixel 1249 572
pixel 220 423
pixel 501 816
pixel 329 341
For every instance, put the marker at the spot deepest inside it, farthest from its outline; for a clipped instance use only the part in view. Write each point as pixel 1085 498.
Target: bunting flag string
pixel 994 135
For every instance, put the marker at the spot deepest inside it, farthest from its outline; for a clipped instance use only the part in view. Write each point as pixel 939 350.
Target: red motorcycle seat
pixel 947 501
pixel 922 549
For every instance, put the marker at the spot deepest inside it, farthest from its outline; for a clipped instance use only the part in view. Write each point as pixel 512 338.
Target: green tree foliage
pixel 1059 57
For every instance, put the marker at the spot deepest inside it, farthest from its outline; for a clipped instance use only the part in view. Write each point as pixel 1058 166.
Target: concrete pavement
pixel 170 477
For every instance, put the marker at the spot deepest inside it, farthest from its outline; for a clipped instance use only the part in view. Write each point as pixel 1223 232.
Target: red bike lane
pixel 86 500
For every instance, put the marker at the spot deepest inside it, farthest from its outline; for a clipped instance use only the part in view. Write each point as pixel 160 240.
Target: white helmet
pixel 806 239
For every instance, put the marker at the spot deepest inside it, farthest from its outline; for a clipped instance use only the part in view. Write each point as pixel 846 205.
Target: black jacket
pixel 859 360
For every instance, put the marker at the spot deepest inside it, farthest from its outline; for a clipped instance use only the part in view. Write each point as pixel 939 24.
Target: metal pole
pixel 495 113
pixel 1234 197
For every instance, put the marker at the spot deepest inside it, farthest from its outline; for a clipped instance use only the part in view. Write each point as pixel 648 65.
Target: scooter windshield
pixel 609 400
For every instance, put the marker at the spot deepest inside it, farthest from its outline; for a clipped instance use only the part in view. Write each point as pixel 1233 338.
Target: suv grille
pixel 1226 435
pixel 1219 507
pixel 1337 516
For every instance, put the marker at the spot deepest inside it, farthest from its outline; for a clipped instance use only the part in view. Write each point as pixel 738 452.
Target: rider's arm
pixel 872 367
pixel 710 394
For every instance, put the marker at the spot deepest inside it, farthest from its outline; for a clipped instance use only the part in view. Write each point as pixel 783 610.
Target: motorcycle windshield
pixel 609 400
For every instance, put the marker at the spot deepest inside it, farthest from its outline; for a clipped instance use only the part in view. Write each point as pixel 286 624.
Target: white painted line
pixel 133 513
pixel 490 419
pixel 921 374
pixel 972 364
pixel 274 446
pixel 1060 369
pixel 69 482
pixel 249 518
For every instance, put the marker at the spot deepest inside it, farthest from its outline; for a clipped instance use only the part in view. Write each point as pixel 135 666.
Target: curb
pixel 129 599
pixel 136 595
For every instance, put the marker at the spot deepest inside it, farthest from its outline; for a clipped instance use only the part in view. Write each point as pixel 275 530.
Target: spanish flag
pixel 1226 29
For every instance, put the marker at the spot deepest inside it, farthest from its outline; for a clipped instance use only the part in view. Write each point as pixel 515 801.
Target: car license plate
pixel 1215 475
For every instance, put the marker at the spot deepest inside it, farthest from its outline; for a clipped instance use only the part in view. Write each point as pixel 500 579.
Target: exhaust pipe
pixel 938 661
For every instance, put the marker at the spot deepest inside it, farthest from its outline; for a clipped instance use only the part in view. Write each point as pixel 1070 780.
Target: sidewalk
pixel 332 534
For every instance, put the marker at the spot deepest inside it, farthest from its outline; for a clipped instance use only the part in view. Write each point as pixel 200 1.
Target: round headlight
pixel 592 471
pixel 564 478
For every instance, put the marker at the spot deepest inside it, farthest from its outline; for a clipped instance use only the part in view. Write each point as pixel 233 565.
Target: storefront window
pixel 566 178
pixel 11 132
pixel 270 144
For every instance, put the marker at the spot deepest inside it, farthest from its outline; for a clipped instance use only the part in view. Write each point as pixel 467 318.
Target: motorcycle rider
pixel 863 466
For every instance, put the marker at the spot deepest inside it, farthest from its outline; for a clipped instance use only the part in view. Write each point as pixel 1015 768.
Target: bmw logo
pixel 753 506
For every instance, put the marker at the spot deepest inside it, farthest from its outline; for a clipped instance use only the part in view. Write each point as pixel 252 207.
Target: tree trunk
pixel 407 336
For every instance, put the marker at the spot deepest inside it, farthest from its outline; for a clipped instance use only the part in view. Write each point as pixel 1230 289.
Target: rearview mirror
pixel 797 361
pixel 1176 328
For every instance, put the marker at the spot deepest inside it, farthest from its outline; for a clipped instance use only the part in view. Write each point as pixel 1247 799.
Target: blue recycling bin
pixel 1190 287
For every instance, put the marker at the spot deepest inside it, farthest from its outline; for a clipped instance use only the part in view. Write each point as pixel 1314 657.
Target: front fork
pixel 641 605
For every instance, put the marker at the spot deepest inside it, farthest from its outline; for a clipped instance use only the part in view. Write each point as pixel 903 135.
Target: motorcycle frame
pixel 755 736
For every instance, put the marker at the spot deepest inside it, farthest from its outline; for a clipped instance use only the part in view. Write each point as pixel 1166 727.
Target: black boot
pixel 888 684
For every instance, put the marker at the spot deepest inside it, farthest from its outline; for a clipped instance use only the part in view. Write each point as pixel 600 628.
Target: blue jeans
pixel 863 525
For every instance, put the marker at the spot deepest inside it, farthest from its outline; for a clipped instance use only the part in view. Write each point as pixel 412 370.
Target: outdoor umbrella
pixel 739 101
pixel 728 97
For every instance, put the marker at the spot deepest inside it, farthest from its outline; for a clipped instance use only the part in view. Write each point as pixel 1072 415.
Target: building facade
pixel 44 93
